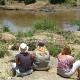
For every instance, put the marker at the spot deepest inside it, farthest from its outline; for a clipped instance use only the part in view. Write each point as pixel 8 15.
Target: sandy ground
pixel 6 63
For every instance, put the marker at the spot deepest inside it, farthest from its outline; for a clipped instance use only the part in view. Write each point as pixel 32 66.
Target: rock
pixel 7 37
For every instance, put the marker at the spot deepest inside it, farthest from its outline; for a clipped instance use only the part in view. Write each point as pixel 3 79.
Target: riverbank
pixel 38 6
pixel 6 62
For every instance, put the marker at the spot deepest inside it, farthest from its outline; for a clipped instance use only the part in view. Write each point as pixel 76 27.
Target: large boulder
pixel 7 37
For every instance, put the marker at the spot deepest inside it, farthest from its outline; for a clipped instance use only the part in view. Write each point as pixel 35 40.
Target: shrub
pixel 46 24
pixel 2 2
pixel 6 28
pixel 53 48
pixel 56 1
pixel 77 22
pixel 30 33
pixel 3 50
pixel 22 34
pixel 29 1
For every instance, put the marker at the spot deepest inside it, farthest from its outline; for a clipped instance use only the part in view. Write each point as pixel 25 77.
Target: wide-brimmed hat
pixel 40 43
pixel 23 47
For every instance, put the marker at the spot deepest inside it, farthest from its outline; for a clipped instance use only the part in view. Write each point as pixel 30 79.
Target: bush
pixel 2 2
pixel 77 22
pixel 53 48
pixel 29 1
pixel 22 34
pixel 3 50
pixel 56 1
pixel 6 28
pixel 46 24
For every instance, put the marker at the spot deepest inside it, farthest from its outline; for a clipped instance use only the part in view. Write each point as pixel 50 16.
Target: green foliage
pixel 32 44
pixel 53 48
pixel 3 50
pixel 22 34
pixel 45 24
pixel 56 1
pixel 30 33
pixel 68 35
pixel 29 1
pixel 6 28
pixel 2 2
pixel 77 22
pixel 72 2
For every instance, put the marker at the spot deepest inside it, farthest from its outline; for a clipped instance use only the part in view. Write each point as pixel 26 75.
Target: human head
pixel 67 49
pixel 41 43
pixel 23 47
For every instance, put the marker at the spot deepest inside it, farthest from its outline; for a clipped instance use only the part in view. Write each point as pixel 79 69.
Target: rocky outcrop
pixel 7 37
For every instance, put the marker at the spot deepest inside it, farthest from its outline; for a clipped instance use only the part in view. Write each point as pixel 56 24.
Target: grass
pixel 43 25
pixel 6 28
pixel 53 48
pixel 77 57
pixel 77 22
pixel 3 50
pixel 46 24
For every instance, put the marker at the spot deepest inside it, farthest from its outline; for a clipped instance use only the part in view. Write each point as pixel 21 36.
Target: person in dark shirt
pixel 24 61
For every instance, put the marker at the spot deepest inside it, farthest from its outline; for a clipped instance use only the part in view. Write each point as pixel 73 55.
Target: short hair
pixel 67 49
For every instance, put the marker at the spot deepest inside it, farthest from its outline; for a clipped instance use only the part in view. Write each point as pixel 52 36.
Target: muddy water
pixel 22 20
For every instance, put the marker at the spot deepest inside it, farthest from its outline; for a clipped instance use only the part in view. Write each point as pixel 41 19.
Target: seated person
pixel 24 60
pixel 66 65
pixel 42 57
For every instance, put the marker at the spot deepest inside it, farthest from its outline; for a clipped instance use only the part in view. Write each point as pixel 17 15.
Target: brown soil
pixel 36 6
pixel 7 61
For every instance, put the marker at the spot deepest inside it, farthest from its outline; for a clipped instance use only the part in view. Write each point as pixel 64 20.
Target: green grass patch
pixel 53 48
pixel 21 34
pixel 46 24
pixel 77 22
pixel 3 50
pixel 5 28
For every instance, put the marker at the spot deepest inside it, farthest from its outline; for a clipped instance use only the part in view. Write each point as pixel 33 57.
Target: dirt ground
pixel 37 5
pixel 6 62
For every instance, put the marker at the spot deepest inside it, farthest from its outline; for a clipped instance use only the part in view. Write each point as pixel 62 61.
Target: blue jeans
pixel 15 69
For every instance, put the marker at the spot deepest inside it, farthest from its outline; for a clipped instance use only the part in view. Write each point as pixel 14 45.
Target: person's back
pixel 42 57
pixel 25 61
pixel 41 60
pixel 66 66
pixel 23 64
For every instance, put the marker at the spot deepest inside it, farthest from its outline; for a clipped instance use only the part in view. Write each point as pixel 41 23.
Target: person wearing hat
pixel 24 60
pixel 42 57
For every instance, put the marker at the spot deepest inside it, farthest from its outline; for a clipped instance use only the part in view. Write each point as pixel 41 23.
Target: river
pixel 23 20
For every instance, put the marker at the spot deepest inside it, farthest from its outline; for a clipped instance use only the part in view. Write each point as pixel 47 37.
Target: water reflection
pixel 71 27
pixel 24 20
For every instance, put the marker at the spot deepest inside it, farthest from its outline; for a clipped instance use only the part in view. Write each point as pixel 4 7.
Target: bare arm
pixel 17 62
pixel 33 55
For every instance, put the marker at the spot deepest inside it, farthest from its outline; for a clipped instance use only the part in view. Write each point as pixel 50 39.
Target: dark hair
pixel 40 43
